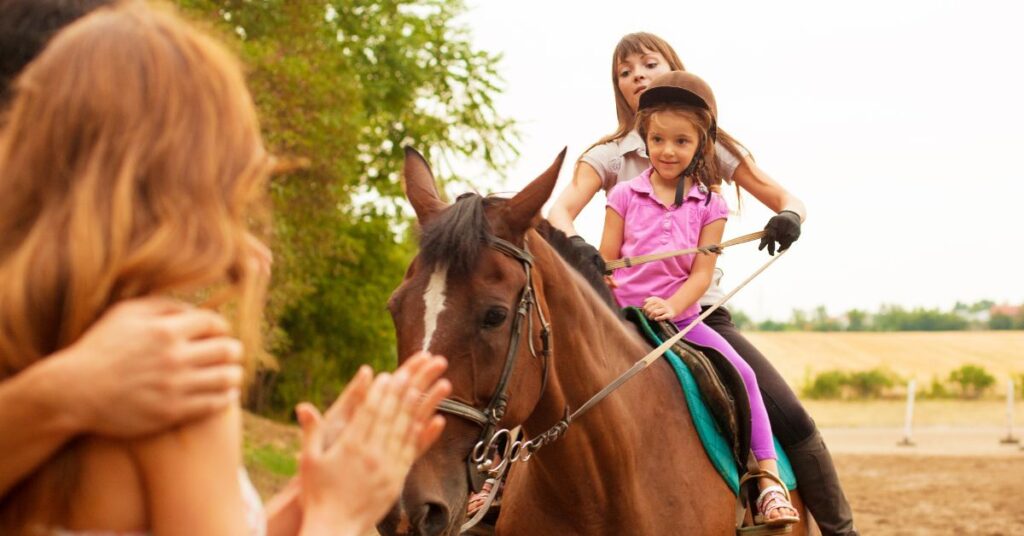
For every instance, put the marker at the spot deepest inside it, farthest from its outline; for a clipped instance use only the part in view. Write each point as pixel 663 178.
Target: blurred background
pixel 897 123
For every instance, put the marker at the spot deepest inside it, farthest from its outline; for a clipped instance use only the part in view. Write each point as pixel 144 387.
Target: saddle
pixel 720 385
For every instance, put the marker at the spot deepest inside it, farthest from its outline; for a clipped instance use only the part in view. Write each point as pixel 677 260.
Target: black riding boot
pixel 819 486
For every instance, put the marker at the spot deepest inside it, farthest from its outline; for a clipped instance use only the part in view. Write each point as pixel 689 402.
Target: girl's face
pixel 635 73
pixel 672 142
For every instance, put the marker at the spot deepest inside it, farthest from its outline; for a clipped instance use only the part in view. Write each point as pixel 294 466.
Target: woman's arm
pixel 36 418
pixel 611 238
pixel 783 228
pixel 584 186
pixel 190 476
pixel 770 193
pixel 145 365
pixel 696 284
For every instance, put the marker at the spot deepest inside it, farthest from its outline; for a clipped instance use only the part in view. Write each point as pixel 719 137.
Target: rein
pixel 627 262
pixel 489 417
pixel 524 450
pixel 502 443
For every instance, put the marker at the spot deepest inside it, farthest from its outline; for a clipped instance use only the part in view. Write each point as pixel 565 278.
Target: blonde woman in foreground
pixel 133 166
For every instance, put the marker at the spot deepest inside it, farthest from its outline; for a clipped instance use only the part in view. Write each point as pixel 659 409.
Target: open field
pixel 919 355
pixel 946 412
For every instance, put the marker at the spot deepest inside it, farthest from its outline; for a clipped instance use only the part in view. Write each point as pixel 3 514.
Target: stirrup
pixel 759 526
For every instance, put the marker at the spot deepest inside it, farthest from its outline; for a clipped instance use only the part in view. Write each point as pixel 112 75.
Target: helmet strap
pixel 691 170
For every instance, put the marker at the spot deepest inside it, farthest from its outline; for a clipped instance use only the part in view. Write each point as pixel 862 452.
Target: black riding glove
pixel 783 228
pixel 587 252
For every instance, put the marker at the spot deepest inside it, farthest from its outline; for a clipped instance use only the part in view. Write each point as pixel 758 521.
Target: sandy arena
pixel 959 481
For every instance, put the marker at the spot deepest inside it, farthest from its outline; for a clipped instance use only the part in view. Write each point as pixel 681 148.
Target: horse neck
pixel 595 479
pixel 591 347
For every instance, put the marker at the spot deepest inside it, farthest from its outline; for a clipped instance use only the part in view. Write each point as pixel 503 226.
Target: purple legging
pixel 760 429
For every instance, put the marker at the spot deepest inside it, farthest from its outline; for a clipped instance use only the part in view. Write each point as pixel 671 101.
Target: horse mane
pixel 456 236
pixel 585 266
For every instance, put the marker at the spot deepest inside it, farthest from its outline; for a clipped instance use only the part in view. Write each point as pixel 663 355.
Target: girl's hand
pixel 610 281
pixel 659 309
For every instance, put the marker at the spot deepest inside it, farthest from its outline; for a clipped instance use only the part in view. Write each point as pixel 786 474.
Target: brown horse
pixel 631 465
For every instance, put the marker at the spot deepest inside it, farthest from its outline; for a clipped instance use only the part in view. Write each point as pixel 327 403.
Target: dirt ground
pixel 954 480
pixel 957 481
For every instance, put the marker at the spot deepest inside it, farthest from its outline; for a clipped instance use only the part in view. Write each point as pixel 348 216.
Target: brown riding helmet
pixel 684 88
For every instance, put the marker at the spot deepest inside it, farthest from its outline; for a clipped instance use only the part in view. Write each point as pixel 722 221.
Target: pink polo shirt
pixel 652 227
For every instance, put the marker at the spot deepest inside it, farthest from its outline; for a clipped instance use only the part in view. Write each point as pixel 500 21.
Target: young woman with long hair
pixel 133 166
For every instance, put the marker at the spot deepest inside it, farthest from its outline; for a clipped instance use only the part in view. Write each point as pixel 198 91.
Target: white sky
pixel 899 124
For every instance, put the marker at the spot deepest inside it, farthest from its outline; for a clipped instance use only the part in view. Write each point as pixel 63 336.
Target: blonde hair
pixel 132 165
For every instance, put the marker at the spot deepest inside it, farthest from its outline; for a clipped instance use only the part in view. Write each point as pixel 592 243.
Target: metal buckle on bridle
pixel 489 418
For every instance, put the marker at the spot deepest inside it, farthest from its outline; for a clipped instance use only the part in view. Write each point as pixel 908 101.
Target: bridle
pixel 492 414
pixel 480 461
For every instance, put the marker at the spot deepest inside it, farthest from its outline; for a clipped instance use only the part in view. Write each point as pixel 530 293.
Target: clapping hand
pixel 356 457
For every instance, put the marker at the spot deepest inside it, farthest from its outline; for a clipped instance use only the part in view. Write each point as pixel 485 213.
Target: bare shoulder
pixel 191 468
pixel 109 494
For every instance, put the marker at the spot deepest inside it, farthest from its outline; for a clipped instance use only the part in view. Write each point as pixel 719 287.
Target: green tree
pixel 741 319
pixel 343 86
pixel 1000 322
pixel 871 383
pixel 798 320
pixel 981 305
pixel 973 380
pixel 771 325
pixel 896 318
pixel 821 321
pixel 827 385
pixel 858 320
pixel 937 389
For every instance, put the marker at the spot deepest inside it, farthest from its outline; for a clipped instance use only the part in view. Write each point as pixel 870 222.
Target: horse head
pixel 463 296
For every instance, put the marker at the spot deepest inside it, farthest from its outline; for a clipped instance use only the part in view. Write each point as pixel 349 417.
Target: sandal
pixel 772 499
pixel 479 499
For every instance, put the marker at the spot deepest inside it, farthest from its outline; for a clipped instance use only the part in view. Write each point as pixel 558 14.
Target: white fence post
pixel 908 422
pixel 1010 438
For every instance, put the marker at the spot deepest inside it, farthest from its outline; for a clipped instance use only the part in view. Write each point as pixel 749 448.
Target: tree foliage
pixel 836 384
pixel 342 86
pixel 973 380
pixel 981 315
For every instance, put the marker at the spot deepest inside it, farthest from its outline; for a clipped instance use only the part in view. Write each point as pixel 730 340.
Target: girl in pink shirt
pixel 675 205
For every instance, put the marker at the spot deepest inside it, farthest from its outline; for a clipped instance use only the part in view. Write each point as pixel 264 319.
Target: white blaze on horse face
pixel 433 299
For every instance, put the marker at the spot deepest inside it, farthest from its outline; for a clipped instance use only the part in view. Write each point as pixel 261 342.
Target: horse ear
pixel 419 185
pixel 524 208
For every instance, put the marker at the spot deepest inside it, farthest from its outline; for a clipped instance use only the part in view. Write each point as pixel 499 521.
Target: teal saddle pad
pixel 715 445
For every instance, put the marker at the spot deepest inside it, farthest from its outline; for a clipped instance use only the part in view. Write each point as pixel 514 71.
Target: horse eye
pixel 494 317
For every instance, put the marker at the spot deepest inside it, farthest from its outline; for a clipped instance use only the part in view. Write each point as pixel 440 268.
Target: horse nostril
pixel 432 519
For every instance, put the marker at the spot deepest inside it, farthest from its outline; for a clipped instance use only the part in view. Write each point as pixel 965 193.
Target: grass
pixel 271 452
pixel 271 460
